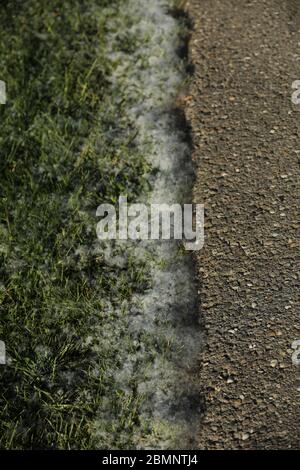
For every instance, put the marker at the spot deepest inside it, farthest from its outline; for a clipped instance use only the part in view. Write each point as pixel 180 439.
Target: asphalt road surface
pixel 246 55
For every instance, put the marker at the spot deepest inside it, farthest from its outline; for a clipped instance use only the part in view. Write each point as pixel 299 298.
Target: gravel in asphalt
pixel 246 55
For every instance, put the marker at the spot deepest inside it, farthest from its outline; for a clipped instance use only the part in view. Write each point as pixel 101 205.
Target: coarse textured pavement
pixel 246 55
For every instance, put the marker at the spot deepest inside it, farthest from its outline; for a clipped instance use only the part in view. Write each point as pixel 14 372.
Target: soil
pixel 246 55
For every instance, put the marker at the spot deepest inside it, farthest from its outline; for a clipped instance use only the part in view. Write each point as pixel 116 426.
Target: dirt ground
pixel 246 55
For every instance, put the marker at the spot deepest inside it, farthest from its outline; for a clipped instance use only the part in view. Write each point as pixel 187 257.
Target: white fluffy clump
pixel 149 76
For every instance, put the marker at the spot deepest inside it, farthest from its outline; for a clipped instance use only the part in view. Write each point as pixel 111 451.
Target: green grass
pixel 65 147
